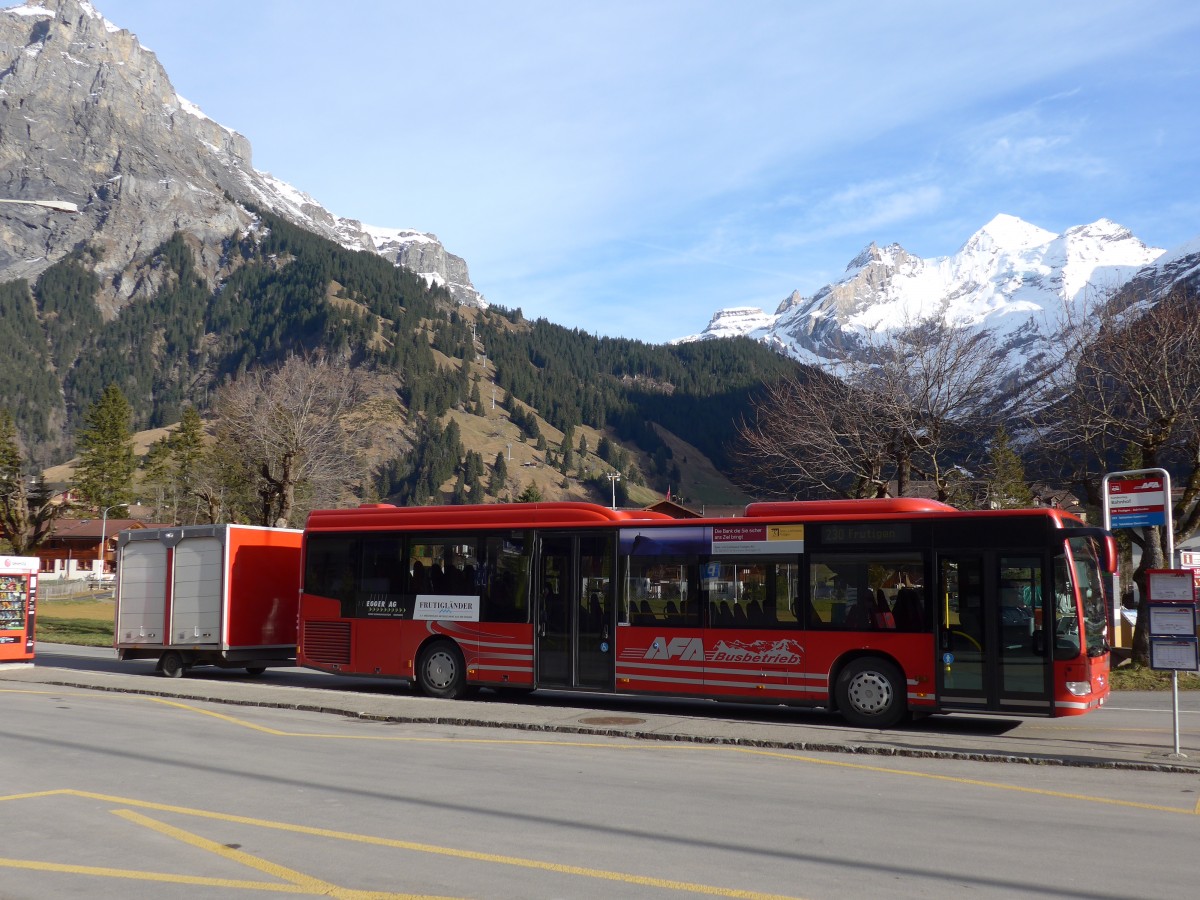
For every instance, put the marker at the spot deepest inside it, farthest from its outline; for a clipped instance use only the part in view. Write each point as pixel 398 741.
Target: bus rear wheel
pixel 871 693
pixel 441 671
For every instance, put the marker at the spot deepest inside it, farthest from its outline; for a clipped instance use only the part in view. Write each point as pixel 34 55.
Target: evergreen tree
pixel 499 475
pixel 158 479
pixel 473 468
pixel 1006 485
pixel 104 475
pixel 187 449
pixel 28 386
pixel 460 490
pixel 531 494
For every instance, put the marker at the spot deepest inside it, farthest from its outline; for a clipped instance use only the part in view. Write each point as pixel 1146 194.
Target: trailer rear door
pixel 198 591
pixel 141 600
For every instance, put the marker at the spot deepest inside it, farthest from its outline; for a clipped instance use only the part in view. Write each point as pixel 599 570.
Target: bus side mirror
pixel 1108 555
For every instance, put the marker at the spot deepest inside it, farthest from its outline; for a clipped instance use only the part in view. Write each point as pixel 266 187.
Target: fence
pixel 73 589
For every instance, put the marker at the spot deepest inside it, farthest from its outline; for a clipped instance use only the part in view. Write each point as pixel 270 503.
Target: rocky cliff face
pixel 87 114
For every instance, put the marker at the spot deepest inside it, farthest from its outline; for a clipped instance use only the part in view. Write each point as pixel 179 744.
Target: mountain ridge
pixel 1011 278
pixel 143 160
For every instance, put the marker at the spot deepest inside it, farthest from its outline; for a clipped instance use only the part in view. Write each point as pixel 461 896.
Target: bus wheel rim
pixel 440 669
pixel 871 693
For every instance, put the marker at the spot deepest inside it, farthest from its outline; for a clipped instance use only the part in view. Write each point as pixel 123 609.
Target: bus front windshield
pixel 1083 575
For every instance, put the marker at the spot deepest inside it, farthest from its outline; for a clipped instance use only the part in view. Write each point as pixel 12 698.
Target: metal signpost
pixel 1137 499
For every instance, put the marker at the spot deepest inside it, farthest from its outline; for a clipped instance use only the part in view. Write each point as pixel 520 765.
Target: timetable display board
pixel 1171 602
pixel 1174 654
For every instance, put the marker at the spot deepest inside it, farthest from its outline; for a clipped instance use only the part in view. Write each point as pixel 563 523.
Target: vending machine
pixel 18 589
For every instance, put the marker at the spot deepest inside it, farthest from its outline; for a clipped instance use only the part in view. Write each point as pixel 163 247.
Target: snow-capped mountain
pixel 735 321
pixel 1011 278
pixel 87 114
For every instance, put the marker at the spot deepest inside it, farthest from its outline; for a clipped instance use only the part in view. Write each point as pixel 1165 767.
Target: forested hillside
pixel 286 291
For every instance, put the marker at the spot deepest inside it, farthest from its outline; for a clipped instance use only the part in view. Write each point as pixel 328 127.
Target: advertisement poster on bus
pixel 1137 502
pixel 447 607
pixel 756 539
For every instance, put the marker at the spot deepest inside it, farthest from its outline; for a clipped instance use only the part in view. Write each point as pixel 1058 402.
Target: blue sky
pixel 629 168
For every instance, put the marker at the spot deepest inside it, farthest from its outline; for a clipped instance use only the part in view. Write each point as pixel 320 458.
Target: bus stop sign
pixel 1137 502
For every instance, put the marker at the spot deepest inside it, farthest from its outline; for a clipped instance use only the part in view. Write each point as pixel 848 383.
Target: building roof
pixel 90 529
pixel 673 509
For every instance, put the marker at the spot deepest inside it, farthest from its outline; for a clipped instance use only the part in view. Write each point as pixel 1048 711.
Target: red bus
pixel 874 608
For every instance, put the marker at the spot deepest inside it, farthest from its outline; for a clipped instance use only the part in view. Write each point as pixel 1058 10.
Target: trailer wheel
pixel 171 664
pixel 255 670
pixel 871 693
pixel 441 671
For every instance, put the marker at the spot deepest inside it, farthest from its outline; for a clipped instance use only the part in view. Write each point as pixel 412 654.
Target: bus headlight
pixel 1079 688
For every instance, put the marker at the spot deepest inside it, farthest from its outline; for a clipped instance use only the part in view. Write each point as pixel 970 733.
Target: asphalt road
pixel 127 785
pixel 1135 729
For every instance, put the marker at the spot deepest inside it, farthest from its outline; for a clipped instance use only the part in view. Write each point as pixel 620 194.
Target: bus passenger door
pixel 575 611
pixel 962 635
pixel 991 655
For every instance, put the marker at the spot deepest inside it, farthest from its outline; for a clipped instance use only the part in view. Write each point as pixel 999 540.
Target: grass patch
pixel 100 610
pixel 85 622
pixel 1141 678
pixel 82 632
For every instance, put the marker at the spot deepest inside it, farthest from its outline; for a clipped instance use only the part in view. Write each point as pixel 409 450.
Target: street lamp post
pixel 614 477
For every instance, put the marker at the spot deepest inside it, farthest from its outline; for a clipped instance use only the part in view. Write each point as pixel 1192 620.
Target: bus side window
pixel 866 592
pixel 501 578
pixel 331 564
pixel 909 609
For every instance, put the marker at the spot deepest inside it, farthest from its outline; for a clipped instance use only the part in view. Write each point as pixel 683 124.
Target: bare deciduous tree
pixel 906 403
pixel 1127 385
pixel 294 428
pixel 805 437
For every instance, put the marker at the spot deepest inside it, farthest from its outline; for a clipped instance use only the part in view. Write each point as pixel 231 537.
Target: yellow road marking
pixel 283 873
pixel 1043 792
pixel 391 738
pixel 233 720
pixel 779 754
pixel 135 875
pixel 557 868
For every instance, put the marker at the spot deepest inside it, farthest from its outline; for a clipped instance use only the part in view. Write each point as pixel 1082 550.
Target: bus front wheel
pixel 871 693
pixel 441 671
